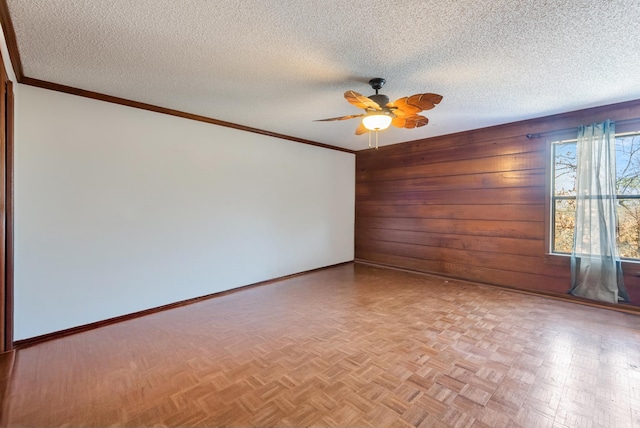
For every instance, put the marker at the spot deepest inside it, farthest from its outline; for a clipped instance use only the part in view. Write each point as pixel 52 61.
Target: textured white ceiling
pixel 278 65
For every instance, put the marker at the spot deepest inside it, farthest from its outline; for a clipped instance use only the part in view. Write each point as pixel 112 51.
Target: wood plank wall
pixel 472 205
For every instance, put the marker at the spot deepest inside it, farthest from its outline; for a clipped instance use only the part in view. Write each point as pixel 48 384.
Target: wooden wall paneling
pixel 493 180
pixel 506 163
pixel 491 228
pixel 454 152
pixel 7 361
pixel 368 237
pixel 521 212
pixel 471 205
pixel 514 195
pixel 632 284
pixel 459 270
pixel 514 262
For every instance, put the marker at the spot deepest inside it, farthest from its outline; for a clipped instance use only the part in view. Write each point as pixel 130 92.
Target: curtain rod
pixel 562 131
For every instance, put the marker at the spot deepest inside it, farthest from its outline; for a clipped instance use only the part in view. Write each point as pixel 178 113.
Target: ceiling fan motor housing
pixel 380 99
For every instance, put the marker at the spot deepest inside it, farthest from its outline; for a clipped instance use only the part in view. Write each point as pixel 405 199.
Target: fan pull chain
pixel 376 139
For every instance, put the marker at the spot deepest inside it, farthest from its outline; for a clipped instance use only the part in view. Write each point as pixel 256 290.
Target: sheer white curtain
pixel 596 271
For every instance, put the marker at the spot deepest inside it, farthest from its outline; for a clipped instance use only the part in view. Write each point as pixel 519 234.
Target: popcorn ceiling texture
pixel 278 65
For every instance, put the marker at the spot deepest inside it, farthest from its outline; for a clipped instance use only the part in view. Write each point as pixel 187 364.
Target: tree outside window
pixel 563 204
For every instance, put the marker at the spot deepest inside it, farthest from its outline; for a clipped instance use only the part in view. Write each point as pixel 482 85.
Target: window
pixel 563 200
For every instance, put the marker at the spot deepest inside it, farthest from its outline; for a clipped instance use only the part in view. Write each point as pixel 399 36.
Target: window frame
pixel 551 192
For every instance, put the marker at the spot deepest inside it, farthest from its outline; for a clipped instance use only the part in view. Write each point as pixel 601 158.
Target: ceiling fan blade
pixel 351 116
pixel 424 101
pixel 361 101
pixel 397 112
pixel 410 122
pixel 361 129
pixel 415 104
pixel 401 108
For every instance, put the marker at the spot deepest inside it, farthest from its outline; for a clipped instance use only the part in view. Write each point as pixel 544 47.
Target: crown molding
pixel 150 107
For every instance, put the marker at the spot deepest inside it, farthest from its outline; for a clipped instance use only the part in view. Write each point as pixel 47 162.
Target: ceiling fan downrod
pixel 377 83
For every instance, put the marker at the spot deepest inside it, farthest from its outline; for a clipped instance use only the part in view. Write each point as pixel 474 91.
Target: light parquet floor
pixel 352 345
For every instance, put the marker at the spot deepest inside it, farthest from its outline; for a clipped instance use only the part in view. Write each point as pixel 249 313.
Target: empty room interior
pixel 329 214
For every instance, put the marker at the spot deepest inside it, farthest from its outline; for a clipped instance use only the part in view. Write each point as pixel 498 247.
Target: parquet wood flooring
pixel 348 346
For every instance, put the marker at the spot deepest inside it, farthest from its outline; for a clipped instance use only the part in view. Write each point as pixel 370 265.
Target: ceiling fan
pixel 380 113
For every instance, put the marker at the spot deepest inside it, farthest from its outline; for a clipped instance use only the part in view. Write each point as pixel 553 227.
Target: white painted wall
pixel 118 210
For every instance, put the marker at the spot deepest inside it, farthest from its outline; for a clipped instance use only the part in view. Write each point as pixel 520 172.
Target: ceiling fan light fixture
pixel 379 113
pixel 377 121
